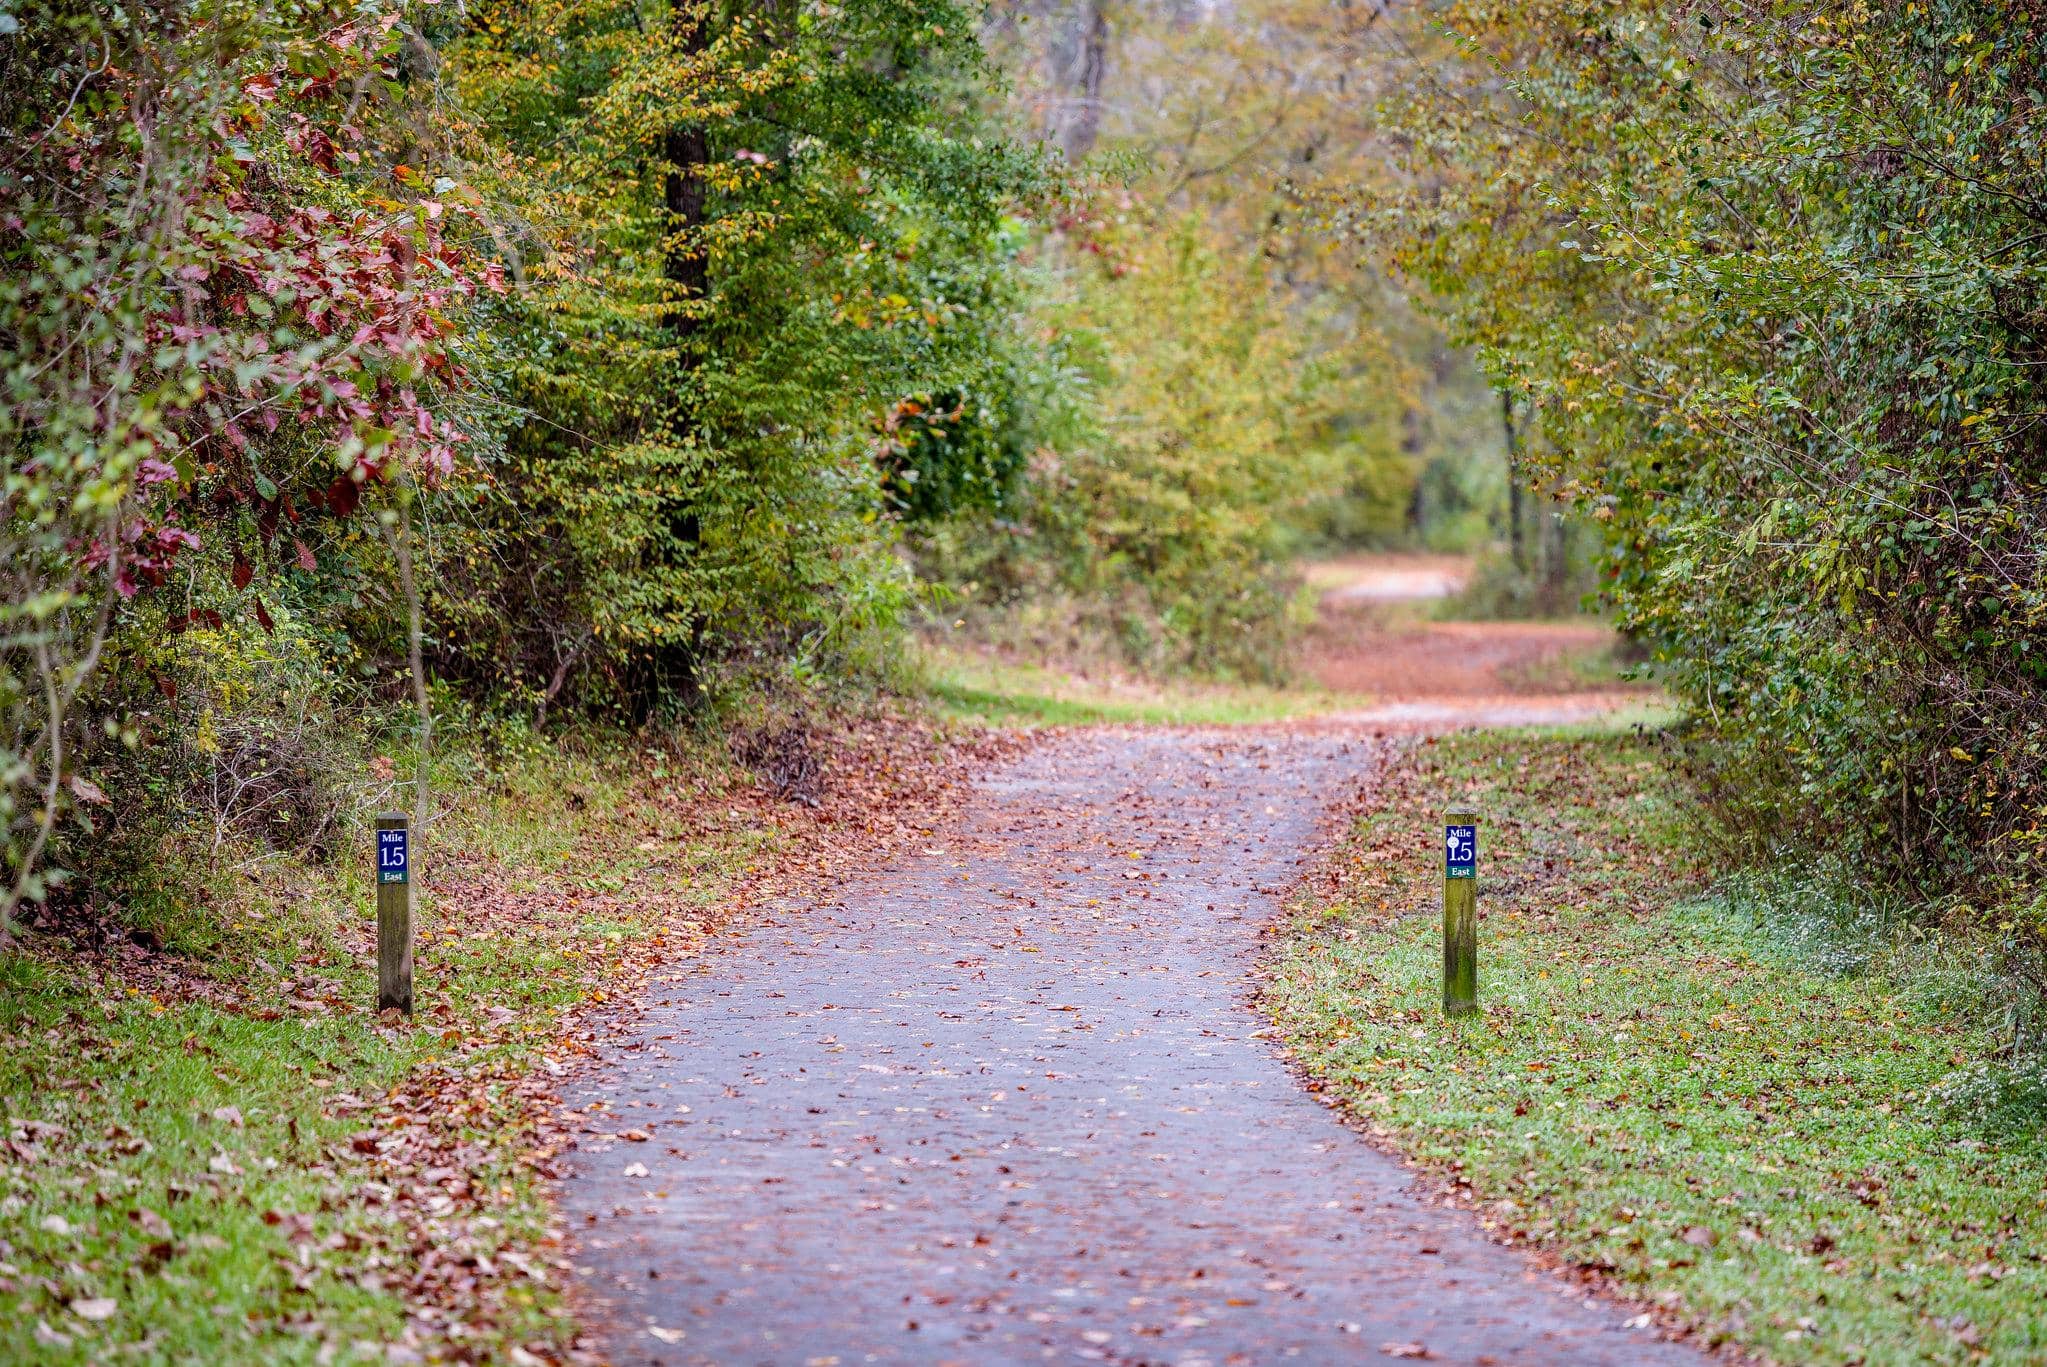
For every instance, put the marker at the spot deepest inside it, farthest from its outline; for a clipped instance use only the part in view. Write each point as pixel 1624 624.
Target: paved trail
pixel 1007 1103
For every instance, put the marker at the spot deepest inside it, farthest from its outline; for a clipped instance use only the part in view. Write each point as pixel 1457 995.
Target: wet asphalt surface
pixel 1008 1101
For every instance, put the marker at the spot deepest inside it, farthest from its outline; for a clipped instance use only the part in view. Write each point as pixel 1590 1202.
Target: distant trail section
pixel 1389 578
pixel 1426 675
pixel 1009 1101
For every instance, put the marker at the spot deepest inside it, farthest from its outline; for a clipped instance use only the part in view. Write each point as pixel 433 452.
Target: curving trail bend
pixel 1007 1102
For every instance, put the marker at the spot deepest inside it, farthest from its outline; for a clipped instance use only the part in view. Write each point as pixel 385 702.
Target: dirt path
pixel 1009 1102
pixel 1431 675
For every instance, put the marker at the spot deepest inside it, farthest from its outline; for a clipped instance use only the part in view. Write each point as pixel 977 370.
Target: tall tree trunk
pixel 1085 124
pixel 687 150
pixel 1516 498
pixel 1555 560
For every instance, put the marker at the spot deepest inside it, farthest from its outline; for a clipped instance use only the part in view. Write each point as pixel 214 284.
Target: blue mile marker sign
pixel 392 866
pixel 1460 851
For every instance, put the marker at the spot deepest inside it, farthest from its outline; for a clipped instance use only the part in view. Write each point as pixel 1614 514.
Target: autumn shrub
pixel 766 319
pixel 1774 283
pixel 230 382
pixel 593 353
pixel 1185 423
pixel 246 740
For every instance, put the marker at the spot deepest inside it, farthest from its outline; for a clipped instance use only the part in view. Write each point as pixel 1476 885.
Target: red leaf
pixel 343 495
pixel 306 561
pixel 243 573
pixel 263 616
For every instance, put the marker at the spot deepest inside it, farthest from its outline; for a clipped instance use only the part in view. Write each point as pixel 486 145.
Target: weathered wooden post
pixel 394 912
pixel 1460 911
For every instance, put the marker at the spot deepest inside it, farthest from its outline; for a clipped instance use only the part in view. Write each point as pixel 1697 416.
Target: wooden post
pixel 394 912
pixel 1460 911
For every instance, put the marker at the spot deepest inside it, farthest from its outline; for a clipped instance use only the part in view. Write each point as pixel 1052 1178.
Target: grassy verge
pixel 986 689
pixel 1592 667
pixel 216 1152
pixel 1662 1086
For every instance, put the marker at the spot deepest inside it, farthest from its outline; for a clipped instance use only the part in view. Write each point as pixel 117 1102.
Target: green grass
pixel 134 1193
pixel 983 689
pixel 260 1233
pixel 1663 1086
pixel 1592 668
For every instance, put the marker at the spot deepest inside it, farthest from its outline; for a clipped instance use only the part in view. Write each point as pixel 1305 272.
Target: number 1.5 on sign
pixel 1460 851
pixel 391 862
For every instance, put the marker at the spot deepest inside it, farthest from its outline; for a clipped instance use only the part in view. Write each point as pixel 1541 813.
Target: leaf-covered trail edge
pixel 1738 1124
pixel 215 1149
pixel 856 789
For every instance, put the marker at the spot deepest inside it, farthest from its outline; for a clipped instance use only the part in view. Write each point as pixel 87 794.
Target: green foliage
pixel 766 316
pixel 227 349
pixel 1195 422
pixel 1774 281
pixel 638 331
pixel 244 742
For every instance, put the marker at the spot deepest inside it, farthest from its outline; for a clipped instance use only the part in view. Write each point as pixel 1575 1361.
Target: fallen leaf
pixel 94 1308
pixel 666 1335
pixel 57 1225
pixel 154 1225
pixel 1405 1350
pixel 1698 1236
pixel 636 1170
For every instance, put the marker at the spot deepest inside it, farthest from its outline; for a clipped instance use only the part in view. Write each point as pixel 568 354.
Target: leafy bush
pixel 1185 425
pixel 227 350
pixel 766 317
pixel 1775 282
pixel 244 738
